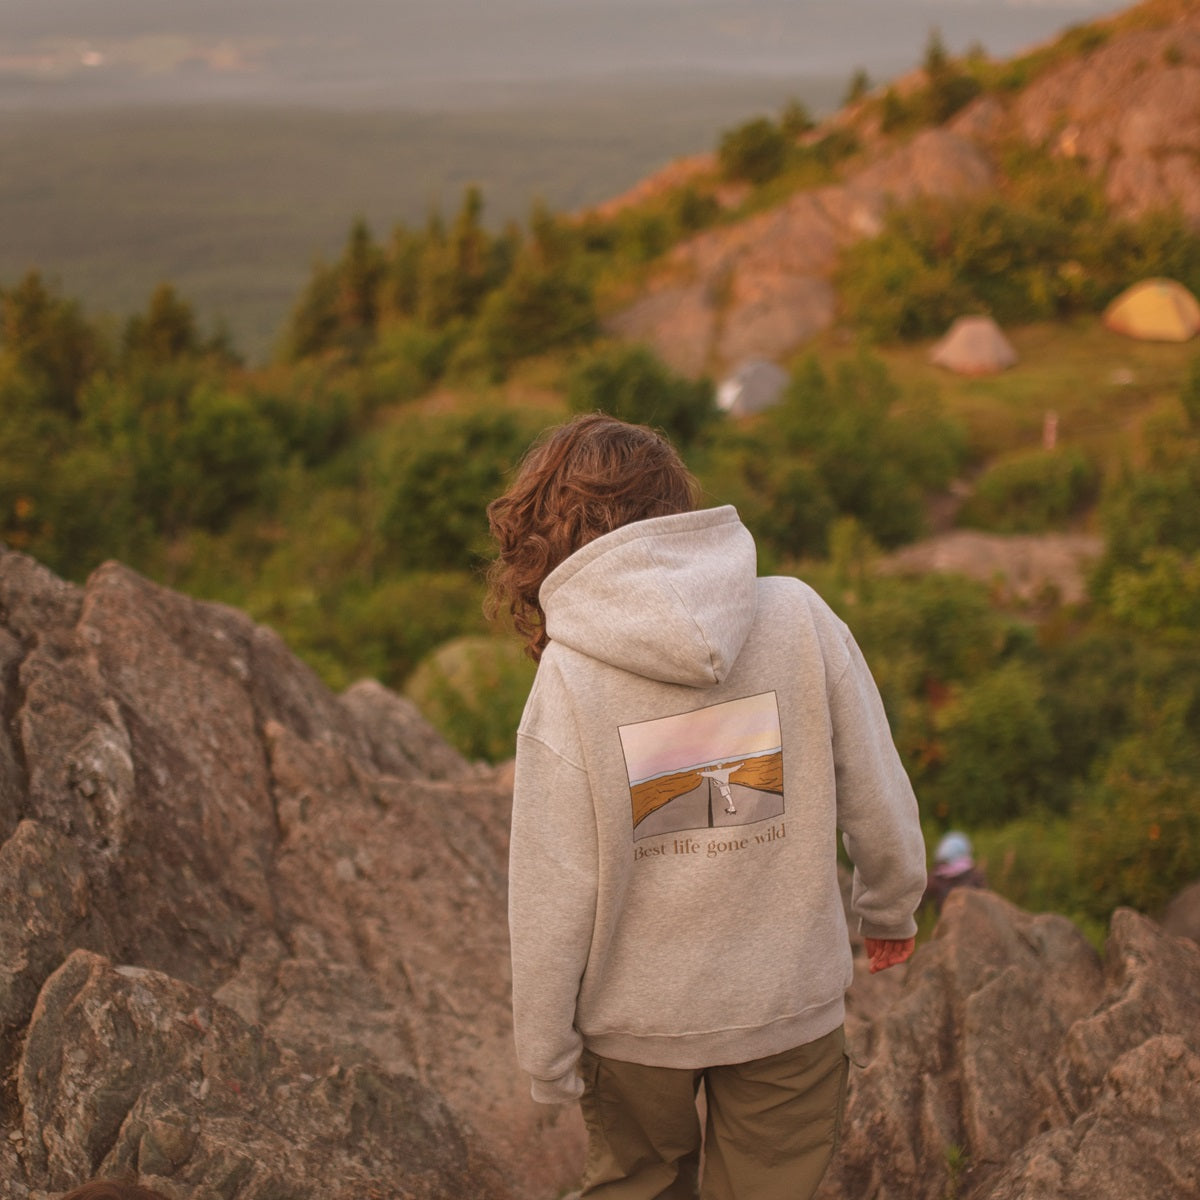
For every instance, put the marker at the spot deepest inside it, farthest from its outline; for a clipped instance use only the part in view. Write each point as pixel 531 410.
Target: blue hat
pixel 953 846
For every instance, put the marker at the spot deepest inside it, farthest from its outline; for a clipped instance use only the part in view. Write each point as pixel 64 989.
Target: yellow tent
pixel 1156 310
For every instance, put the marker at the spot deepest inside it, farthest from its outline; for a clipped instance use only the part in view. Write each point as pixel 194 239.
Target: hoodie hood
pixel 671 598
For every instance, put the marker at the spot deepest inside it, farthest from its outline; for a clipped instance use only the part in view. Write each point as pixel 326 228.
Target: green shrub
pixel 434 477
pixel 857 88
pixel 1147 510
pixel 1047 247
pixel 1031 491
pixel 631 382
pixel 1088 679
pixel 693 209
pixel 541 307
pixel 1161 595
pixel 891 289
pixel 795 118
pixel 873 457
pixel 473 690
pixel 387 630
pixel 46 337
pixel 996 750
pixel 1138 833
pixel 754 152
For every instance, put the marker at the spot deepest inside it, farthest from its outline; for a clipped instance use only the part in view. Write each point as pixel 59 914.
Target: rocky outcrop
pixel 1130 110
pixel 1012 1063
pixel 250 931
pixel 253 945
pixel 759 288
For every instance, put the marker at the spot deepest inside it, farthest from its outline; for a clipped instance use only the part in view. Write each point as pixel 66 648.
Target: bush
pixel 631 382
pixel 1145 511
pixel 1048 248
pixel 754 152
pixel 388 630
pixel 1031 491
pixel 890 289
pixel 1138 835
pixel 997 749
pixel 473 690
pixel 539 308
pixel 842 445
pixel 221 461
pixel 434 478
pixel 873 458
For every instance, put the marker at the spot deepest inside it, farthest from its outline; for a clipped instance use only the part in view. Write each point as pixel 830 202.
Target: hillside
pixel 1123 105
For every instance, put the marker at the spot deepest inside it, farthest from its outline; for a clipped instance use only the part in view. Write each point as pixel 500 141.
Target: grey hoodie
pixel 693 742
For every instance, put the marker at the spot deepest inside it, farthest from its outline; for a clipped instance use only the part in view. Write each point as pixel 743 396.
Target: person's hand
pixel 888 952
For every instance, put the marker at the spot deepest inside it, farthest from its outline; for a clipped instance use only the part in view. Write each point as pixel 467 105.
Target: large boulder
pixel 188 814
pixel 1014 1063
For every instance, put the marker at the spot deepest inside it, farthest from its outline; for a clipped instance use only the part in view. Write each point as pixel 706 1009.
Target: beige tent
pixel 974 346
pixel 1156 310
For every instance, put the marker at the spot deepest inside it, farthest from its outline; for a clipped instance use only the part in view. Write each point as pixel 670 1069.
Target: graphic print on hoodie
pixel 707 769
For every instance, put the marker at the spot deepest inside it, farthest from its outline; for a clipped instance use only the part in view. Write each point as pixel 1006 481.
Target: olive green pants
pixel 771 1127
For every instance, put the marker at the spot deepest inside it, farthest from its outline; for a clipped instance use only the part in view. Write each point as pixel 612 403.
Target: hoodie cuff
pixel 889 933
pixel 566 1089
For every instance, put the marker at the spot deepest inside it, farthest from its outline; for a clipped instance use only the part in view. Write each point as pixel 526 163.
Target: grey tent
pixel 974 346
pixel 755 385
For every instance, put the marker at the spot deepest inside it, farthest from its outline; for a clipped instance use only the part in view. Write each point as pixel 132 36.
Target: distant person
pixel 112 1189
pixel 953 867
pixel 694 740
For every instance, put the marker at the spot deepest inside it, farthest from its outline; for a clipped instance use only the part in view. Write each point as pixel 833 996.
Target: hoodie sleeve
pixel 877 811
pixel 551 911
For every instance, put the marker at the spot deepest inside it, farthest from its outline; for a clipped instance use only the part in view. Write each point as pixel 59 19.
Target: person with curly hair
pixel 695 739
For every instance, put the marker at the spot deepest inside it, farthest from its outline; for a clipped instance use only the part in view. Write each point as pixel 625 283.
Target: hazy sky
pixel 435 51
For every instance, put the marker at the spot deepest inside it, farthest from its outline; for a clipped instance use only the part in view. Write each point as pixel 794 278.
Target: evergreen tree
pixel 49 341
pixel 165 333
pixel 858 87
pixel 359 273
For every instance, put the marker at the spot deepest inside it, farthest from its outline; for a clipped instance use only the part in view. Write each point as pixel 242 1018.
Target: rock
pixel 125 1068
pixel 1013 1063
pixel 402 743
pixel 1182 914
pixel 47 913
pixel 181 796
pixel 1129 111
pixel 1028 566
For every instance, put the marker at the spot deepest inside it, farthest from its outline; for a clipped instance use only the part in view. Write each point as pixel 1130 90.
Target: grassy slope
pixel 1100 384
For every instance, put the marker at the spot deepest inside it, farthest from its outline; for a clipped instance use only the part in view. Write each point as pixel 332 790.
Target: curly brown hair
pixel 578 481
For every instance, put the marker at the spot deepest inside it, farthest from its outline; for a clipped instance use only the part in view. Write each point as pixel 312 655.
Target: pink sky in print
pixel 734 729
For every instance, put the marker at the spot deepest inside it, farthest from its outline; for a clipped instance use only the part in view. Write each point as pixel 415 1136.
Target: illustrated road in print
pixel 676 782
